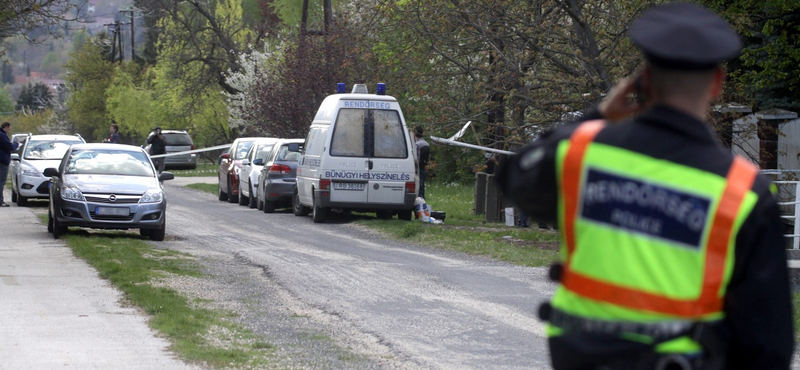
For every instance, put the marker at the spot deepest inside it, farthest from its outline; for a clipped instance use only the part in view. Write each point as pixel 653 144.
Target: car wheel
pixel 49 222
pixel 158 234
pixel 405 215
pixel 251 199
pixel 384 214
pixel 243 200
pixel 319 213
pixel 231 198
pixel 259 204
pixel 145 233
pixel 269 206
pixel 13 195
pixel 58 228
pixel 222 195
pixel 22 201
pixel 297 208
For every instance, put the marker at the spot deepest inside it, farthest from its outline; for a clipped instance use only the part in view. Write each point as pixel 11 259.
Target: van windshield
pixel 369 133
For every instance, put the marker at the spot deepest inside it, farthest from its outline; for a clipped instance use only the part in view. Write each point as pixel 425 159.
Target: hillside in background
pixel 43 61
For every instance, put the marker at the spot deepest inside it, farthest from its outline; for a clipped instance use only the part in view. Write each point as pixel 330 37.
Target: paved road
pixel 442 310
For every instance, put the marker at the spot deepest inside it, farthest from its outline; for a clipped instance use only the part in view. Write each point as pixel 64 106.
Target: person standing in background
pixel 113 137
pixel 158 145
pixel 6 147
pixel 423 154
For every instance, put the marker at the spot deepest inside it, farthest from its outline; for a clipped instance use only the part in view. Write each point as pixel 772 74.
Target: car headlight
pixel 71 192
pixel 27 170
pixel 152 196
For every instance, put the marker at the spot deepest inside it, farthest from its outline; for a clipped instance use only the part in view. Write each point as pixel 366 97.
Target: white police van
pixel 358 155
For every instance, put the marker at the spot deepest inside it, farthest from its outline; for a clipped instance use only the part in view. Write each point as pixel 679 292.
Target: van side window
pixel 312 145
pixel 348 134
pixel 390 140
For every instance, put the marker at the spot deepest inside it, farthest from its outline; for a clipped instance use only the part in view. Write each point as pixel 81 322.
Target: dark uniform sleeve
pixel 528 178
pixel 758 301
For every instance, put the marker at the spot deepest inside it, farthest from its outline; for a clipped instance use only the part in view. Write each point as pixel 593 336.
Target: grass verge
pixel 135 266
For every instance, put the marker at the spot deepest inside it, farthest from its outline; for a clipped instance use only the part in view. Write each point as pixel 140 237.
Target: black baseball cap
pixel 684 36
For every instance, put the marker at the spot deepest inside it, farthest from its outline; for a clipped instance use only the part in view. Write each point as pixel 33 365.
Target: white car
pixel 28 163
pixel 251 168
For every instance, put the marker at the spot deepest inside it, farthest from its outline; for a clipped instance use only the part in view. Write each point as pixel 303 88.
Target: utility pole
pixel 133 42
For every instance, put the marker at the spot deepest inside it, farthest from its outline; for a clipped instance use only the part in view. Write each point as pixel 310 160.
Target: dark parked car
pixel 177 141
pixel 277 180
pixel 230 163
pixel 107 186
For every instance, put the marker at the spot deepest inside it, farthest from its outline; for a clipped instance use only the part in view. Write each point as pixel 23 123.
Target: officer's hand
pixel 618 104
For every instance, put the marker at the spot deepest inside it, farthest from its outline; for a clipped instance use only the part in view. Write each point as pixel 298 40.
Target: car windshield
pixel 240 152
pixel 47 149
pixel 178 139
pixel 108 162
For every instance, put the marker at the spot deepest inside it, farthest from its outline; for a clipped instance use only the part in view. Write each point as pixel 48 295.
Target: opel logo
pixel 112 198
pixel 376 186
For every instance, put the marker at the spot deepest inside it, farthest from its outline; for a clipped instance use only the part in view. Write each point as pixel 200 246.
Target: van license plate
pixel 349 185
pixel 112 211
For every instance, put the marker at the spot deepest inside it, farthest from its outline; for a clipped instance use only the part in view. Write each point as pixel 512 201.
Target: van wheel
pixel 231 198
pixel 404 215
pixel 298 209
pixel 319 213
pixel 222 195
pixel 384 215
pixel 251 199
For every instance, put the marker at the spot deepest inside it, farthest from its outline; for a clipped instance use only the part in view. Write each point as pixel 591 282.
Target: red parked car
pixel 230 163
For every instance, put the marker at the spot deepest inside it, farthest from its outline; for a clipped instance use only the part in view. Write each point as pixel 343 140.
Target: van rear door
pixel 391 163
pixel 370 150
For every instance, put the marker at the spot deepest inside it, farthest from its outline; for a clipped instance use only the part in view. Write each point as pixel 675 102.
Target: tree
pixel 6 104
pixel 34 98
pixel 89 78
pixel 20 15
pixel 52 64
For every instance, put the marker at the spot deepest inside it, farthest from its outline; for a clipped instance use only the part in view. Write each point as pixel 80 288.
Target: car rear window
pixel 284 155
pixel 178 139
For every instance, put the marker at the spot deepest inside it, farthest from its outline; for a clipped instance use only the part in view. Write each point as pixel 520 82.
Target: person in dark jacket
pixel 424 155
pixel 6 147
pixel 158 145
pixel 113 136
pixel 649 202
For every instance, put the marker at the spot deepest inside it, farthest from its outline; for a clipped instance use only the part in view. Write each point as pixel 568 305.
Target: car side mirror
pixel 14 156
pixel 51 172
pixel 258 161
pixel 165 176
pixel 225 156
pixel 294 147
pixel 245 162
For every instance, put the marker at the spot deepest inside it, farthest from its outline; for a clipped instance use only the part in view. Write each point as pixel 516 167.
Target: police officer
pixel 673 255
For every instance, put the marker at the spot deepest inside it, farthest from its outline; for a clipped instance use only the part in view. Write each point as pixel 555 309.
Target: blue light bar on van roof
pixel 341 88
pixel 381 89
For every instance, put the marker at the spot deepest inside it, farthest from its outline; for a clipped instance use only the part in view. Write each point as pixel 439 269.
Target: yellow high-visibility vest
pixel 644 239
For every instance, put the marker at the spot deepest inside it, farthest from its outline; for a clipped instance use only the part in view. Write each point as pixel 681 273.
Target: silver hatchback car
pixel 107 186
